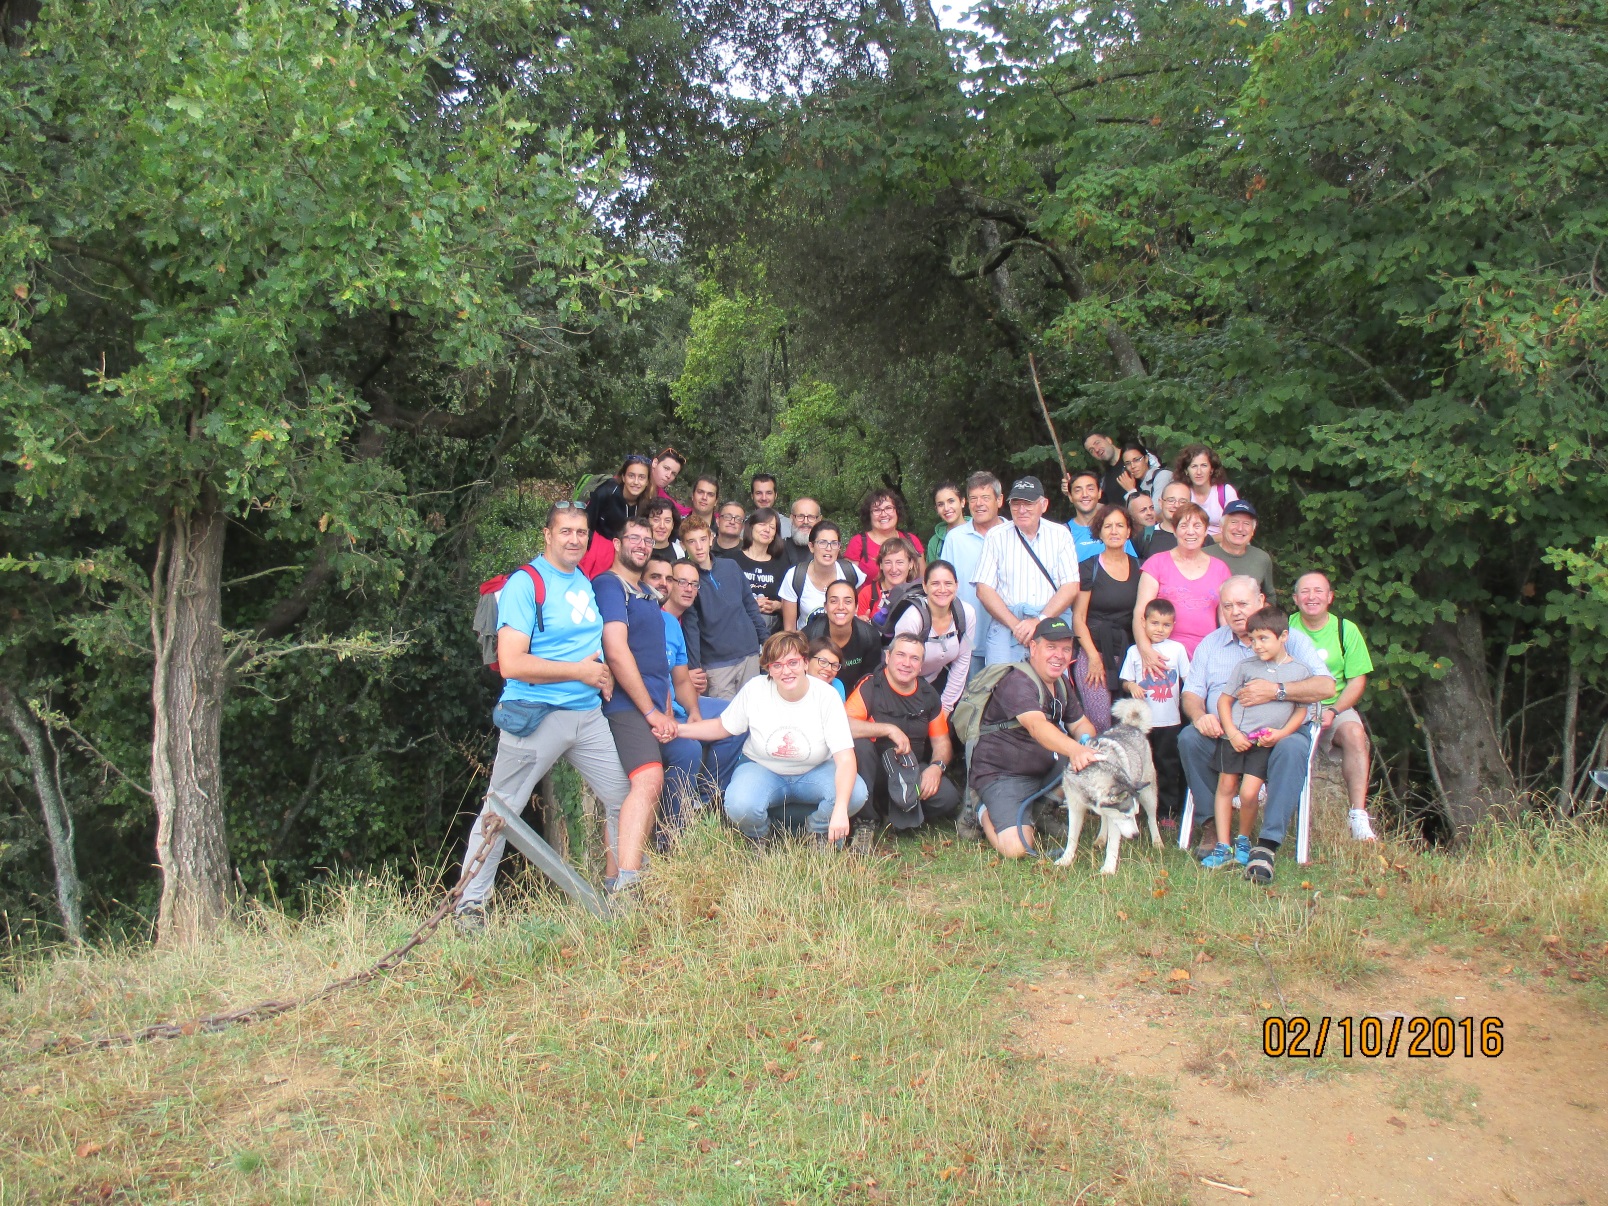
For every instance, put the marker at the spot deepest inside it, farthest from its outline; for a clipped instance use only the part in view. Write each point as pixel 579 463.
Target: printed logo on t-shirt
pixel 1159 690
pixel 580 601
pixel 788 745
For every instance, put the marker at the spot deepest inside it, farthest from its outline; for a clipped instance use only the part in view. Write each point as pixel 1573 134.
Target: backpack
pixel 485 624
pixel 910 595
pixel 966 721
pixel 796 577
pixel 588 483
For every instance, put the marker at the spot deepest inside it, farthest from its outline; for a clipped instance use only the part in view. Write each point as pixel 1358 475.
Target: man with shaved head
pixel 1344 652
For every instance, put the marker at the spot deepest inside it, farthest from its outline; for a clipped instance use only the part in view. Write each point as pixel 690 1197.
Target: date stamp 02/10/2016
pixel 1389 1035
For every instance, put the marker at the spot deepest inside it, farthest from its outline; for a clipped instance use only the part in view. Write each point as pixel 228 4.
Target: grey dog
pixel 1116 787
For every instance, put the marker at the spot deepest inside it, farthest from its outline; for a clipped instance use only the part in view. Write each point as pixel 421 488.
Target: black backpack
pixel 796 578
pixel 910 595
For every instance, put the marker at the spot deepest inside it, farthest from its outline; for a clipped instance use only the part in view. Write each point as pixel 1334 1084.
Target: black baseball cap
pixel 1053 628
pixel 1026 489
pixel 1240 507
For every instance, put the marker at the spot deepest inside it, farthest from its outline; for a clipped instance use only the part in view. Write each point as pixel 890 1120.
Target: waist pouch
pixel 520 717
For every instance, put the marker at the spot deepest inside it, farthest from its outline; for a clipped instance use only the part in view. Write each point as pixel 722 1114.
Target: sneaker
pixel 1361 826
pixel 623 882
pixel 862 839
pixel 469 920
pixel 1220 856
pixel 1260 869
pixel 1242 850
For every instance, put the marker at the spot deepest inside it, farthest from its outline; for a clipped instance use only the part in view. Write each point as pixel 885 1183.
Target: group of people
pixel 676 653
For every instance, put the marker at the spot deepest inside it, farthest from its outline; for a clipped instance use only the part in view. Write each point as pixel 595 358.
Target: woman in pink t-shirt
pixel 1188 579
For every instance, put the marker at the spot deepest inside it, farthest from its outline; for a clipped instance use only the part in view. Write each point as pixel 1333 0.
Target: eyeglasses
pixel 1134 460
pixel 810 519
pixel 639 538
pixel 692 582
pixel 829 663
pixel 883 508
pixel 787 663
pixel 829 545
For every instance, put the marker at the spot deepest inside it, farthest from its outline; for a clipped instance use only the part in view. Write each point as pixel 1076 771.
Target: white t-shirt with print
pixel 809 597
pixel 1160 693
pixel 788 738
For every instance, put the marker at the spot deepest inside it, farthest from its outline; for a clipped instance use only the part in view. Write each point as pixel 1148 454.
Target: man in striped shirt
pixel 1028 572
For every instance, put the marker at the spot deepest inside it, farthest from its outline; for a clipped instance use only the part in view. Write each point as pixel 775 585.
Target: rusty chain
pixel 492 826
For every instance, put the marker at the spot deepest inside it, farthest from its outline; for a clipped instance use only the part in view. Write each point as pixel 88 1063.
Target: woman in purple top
pixel 1188 579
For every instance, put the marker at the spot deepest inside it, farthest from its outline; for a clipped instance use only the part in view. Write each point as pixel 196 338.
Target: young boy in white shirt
pixel 1161 693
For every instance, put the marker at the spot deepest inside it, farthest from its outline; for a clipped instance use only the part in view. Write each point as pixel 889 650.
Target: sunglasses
pixel 636 458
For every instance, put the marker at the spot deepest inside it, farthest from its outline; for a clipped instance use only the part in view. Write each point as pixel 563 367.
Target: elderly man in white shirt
pixel 1028 572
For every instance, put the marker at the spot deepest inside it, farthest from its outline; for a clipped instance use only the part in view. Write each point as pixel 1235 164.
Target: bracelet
pixel 1085 739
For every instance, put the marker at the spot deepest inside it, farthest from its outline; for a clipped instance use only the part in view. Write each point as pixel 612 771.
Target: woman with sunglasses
pixel 798 751
pixel 1142 473
pixel 803 588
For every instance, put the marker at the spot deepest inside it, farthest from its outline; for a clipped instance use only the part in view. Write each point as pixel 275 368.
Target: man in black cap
pixel 1028 570
pixel 1032 729
pixel 1235 550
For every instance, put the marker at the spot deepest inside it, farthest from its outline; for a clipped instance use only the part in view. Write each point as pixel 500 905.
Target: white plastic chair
pixel 1303 819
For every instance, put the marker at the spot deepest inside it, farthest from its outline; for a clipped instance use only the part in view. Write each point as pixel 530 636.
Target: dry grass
pixel 784 1027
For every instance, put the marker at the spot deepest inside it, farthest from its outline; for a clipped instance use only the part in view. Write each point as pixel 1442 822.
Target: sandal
pixel 1260 868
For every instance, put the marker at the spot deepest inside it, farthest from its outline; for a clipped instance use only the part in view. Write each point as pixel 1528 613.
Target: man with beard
pixel 806 513
pixel 638 713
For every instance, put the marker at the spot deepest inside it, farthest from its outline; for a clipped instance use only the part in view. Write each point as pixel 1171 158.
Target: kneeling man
pixel 1033 728
pixel 894 711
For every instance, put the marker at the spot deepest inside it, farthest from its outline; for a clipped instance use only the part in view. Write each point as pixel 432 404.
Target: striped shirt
pixel 1007 567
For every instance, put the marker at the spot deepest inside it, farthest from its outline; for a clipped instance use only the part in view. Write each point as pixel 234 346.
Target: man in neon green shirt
pixel 1341 646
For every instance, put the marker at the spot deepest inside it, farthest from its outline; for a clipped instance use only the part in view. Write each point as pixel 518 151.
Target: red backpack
pixel 485 624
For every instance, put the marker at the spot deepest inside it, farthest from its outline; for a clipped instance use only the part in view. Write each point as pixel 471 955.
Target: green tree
pixel 223 226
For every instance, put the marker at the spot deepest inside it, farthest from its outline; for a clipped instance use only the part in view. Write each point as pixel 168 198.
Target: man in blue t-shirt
pixel 638 714
pixel 555 683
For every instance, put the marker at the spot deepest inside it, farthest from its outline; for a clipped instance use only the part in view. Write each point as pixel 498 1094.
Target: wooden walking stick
pixel 1048 422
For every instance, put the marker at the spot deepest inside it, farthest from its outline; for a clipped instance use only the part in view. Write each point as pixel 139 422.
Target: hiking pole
pixel 1048 422
pixel 529 843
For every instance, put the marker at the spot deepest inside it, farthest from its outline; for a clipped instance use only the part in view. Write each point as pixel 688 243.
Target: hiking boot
pixel 862 839
pixel 469 920
pixel 1242 850
pixel 1222 854
pixel 1361 827
pixel 967 827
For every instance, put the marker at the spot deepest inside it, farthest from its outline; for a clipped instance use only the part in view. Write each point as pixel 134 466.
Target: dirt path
pixel 1529 1127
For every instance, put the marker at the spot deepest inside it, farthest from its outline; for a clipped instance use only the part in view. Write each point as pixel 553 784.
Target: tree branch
pixel 130 273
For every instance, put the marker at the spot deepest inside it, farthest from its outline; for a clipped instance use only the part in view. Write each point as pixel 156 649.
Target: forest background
pixel 302 308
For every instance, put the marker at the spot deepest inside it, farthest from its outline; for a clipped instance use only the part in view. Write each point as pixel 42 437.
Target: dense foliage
pixel 345 276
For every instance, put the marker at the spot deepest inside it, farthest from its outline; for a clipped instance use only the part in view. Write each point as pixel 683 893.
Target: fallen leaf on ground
pixel 1178 973
pixel 87 1149
pixel 1396 1122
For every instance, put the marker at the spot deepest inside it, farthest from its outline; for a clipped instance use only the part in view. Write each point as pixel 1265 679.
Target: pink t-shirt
pixel 1194 598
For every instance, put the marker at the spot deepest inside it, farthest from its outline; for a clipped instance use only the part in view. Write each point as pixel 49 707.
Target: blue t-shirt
pixel 1089 544
pixel 572 632
pixel 644 635
pixel 675 647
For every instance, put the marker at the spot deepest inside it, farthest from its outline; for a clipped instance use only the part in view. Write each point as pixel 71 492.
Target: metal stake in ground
pixel 529 843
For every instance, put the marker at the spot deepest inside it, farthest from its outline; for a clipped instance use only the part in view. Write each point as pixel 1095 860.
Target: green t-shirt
pixel 1344 666
pixel 935 546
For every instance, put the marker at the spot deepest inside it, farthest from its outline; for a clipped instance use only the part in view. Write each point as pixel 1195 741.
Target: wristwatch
pixel 1281 694
pixel 939 763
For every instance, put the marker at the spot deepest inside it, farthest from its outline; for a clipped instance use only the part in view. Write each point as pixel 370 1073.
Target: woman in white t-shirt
pixel 803 588
pixel 799 750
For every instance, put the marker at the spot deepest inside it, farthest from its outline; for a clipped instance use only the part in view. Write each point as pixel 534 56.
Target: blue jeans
pixel 1287 766
pixel 755 792
pixel 693 769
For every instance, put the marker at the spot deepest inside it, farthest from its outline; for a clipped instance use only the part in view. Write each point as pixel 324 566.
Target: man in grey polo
pixel 1209 671
pixel 1235 550
pixel 1028 572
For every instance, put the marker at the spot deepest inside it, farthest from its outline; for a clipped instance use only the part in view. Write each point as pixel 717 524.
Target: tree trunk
pixel 58 822
pixel 1460 725
pixel 186 706
pixel 1571 725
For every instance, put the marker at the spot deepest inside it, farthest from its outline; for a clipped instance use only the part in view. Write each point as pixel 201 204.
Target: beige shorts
pixel 1326 735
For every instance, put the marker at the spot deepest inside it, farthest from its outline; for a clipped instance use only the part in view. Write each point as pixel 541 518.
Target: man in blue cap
pixel 1235 550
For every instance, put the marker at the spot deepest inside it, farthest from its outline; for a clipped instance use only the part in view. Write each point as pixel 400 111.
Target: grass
pixel 790 1027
